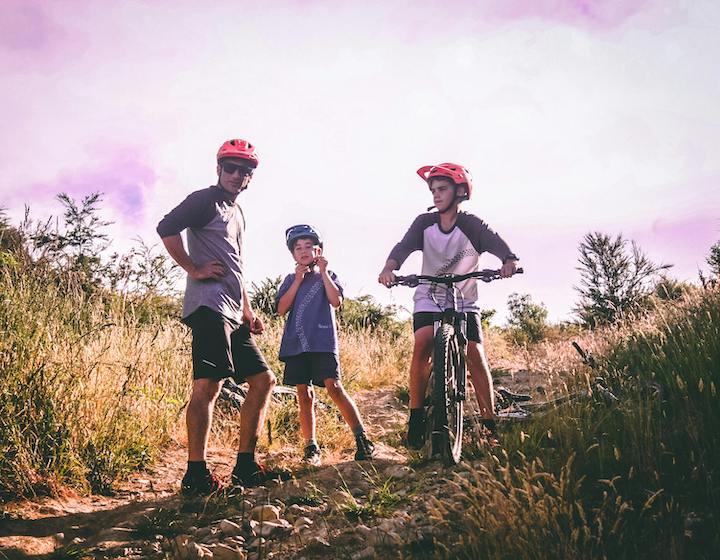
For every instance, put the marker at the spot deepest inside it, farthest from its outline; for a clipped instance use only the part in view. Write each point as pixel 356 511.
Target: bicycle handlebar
pixel 413 280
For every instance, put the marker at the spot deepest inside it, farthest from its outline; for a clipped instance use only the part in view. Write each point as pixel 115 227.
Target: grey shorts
pixel 474 332
pixel 311 368
pixel 221 349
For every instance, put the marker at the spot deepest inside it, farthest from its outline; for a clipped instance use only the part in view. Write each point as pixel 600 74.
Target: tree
pixel 528 319
pixel 615 278
pixel 714 260
pixel 79 246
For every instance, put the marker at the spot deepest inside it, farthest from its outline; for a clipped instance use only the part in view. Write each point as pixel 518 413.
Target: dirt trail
pixel 105 524
pixel 105 527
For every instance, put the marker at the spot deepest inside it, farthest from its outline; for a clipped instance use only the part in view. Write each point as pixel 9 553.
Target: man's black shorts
pixel 311 368
pixel 221 349
pixel 474 332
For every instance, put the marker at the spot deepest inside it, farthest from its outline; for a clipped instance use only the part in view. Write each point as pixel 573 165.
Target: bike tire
pixel 447 397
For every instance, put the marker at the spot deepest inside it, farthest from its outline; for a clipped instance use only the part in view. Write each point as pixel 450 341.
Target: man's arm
pixel 254 321
pixel 176 248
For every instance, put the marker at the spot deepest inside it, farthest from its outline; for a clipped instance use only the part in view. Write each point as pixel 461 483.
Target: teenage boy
pixel 309 345
pixel 452 242
pixel 217 309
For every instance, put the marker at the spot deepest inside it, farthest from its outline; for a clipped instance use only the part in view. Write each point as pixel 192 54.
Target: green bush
pixel 527 320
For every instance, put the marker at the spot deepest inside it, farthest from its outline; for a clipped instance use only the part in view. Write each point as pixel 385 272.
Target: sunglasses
pixel 231 168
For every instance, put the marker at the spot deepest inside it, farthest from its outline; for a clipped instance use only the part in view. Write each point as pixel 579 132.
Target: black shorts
pixel 221 349
pixel 311 368
pixel 474 332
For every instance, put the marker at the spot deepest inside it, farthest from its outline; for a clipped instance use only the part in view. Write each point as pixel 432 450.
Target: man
pixel 217 309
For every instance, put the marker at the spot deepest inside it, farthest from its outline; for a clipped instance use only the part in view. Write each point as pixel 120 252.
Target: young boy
pixel 309 345
pixel 451 242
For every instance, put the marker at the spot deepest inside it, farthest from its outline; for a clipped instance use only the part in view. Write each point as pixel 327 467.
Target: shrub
pixel 527 319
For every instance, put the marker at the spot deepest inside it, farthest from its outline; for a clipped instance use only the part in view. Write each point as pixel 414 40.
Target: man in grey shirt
pixel 217 309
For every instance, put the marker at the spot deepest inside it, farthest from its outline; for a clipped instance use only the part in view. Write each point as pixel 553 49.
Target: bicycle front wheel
pixel 447 396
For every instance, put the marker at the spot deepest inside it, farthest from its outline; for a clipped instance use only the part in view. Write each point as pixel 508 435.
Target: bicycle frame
pixel 448 392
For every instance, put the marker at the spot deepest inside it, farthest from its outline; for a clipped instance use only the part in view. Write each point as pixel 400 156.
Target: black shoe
pixel 202 485
pixel 365 447
pixel 415 438
pixel 489 432
pixel 312 455
pixel 253 474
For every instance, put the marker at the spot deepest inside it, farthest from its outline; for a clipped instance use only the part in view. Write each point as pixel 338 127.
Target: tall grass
pixel 94 383
pixel 635 480
pixel 90 386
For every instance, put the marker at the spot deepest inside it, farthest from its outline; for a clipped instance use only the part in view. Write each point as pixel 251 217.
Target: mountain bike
pixel 518 406
pixel 446 389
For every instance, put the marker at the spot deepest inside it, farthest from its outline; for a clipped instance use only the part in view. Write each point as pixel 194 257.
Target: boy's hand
pixel 322 263
pixel 300 271
pixel 508 269
pixel 386 278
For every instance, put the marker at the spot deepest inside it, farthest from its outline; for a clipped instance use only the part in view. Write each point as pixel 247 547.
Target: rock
pixel 389 525
pixel 302 523
pixel 317 542
pixel 267 528
pixel 294 511
pixel 256 543
pixel 225 552
pixel 398 472
pixel 59 538
pixel 178 547
pixel 339 497
pixel 237 541
pixel 265 513
pixel 381 538
pixel 194 550
pixel 365 553
pixel 229 528
pixel 203 532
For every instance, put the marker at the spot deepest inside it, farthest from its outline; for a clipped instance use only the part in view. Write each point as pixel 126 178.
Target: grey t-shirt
pixel 310 326
pixel 215 227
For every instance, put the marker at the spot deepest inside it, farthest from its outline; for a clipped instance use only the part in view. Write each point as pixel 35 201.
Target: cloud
pixel 588 14
pixel 125 180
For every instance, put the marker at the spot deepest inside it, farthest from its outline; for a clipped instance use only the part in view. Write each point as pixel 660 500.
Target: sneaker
pixel 415 438
pixel 253 474
pixel 202 485
pixel 489 432
pixel 312 455
pixel 365 447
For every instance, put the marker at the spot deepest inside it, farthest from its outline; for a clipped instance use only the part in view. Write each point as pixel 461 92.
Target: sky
pixel 572 115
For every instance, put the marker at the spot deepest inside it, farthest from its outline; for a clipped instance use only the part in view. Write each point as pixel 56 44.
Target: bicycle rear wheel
pixel 447 397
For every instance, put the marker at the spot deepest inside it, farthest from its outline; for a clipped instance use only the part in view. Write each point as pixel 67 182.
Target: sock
pixel 311 442
pixel 489 423
pixel 358 430
pixel 197 467
pixel 244 459
pixel 417 415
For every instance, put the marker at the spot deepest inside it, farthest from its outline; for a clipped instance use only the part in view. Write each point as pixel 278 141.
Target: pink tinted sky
pixel 573 116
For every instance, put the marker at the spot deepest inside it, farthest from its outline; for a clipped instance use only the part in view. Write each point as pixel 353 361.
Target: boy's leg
pixel 481 378
pixel 420 366
pixel 347 406
pixel 419 374
pixel 350 413
pixel 306 406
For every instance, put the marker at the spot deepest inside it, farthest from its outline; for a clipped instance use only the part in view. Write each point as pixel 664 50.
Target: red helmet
pixel 238 149
pixel 456 173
